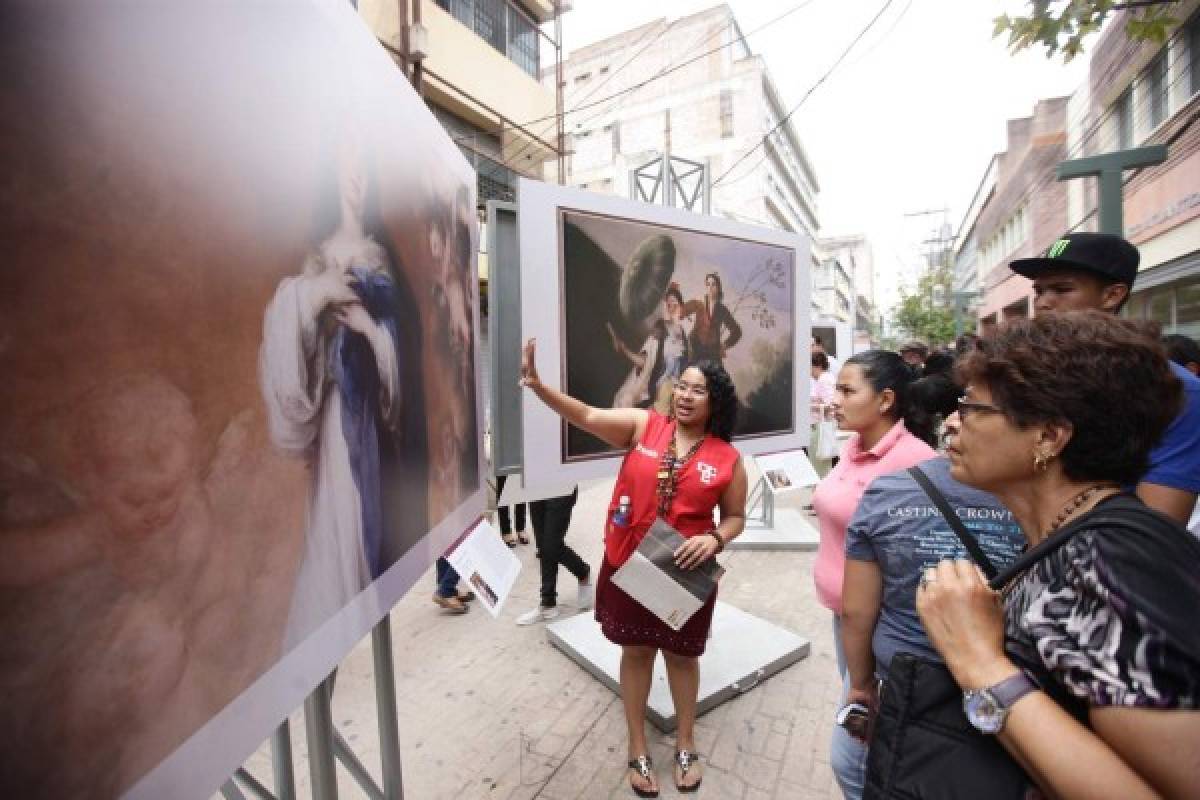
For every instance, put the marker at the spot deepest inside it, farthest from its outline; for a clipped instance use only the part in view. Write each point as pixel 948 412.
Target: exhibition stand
pixel 742 651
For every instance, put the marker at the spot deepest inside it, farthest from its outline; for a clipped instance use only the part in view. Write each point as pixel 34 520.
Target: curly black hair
pixel 722 399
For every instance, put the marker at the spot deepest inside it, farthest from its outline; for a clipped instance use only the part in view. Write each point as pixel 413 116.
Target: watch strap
pixel 1011 689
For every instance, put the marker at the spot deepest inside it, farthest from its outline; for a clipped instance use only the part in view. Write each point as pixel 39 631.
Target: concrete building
pixel 832 290
pixel 855 255
pixel 481 76
pixel 1025 212
pixel 1140 94
pixel 966 241
pixel 712 105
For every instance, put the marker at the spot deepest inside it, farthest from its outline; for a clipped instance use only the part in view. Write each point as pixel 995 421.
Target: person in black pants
pixel 551 518
pixel 506 530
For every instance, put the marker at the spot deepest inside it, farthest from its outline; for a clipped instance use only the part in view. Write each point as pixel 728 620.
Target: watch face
pixel 983 711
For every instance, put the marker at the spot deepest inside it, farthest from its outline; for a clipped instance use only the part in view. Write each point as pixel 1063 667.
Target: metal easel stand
pixel 771 528
pixel 760 506
pixel 326 746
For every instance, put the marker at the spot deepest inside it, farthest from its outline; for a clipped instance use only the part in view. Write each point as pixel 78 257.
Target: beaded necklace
pixel 669 470
pixel 1073 505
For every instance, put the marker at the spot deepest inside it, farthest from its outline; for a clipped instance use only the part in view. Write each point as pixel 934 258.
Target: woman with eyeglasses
pixel 1086 663
pixel 871 399
pixel 679 467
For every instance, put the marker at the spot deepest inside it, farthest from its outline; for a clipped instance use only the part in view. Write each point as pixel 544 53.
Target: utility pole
pixel 1109 168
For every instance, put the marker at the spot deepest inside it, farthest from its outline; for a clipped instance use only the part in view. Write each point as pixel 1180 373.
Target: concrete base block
pixel 743 651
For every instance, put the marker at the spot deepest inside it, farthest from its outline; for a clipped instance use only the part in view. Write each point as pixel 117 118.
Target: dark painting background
pixel 759 285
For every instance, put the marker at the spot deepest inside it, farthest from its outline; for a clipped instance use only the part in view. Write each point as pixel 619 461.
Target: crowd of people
pixel 1039 563
pixel 1003 547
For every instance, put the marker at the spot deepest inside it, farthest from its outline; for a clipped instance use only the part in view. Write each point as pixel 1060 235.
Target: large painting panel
pixel 643 301
pixel 621 295
pixel 238 339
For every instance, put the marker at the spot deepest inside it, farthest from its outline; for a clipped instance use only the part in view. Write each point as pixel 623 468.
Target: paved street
pixel 490 710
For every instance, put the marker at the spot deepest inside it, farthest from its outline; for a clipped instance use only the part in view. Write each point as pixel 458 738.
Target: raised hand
pixel 529 374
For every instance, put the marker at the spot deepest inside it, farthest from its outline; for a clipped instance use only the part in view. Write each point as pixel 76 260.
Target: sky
pixel 908 122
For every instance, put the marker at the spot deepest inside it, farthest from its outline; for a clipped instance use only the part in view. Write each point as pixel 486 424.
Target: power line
pixel 807 94
pixel 612 74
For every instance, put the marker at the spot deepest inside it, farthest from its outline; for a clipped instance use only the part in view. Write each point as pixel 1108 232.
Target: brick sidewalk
pixel 490 710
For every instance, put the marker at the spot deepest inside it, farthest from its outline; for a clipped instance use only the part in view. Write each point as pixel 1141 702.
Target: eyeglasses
pixel 686 388
pixel 966 407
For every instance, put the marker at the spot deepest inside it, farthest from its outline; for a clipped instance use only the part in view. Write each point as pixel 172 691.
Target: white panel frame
pixel 541 318
pixel 215 750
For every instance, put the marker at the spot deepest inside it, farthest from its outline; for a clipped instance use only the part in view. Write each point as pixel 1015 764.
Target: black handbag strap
pixel 968 541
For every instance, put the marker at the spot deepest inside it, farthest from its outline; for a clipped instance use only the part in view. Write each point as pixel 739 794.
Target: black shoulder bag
pixel 922 745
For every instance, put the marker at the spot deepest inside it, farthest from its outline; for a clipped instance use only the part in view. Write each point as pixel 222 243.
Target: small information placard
pixel 784 472
pixel 486 565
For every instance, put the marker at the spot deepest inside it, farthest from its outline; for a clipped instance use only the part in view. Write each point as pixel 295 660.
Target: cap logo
pixel 1058 248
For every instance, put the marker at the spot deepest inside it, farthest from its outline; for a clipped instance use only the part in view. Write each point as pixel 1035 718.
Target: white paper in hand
pixel 651 578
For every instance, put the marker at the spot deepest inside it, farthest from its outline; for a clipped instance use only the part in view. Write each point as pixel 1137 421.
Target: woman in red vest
pixel 680 467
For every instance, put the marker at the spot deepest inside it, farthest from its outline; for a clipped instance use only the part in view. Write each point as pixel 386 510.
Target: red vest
pixel 698 492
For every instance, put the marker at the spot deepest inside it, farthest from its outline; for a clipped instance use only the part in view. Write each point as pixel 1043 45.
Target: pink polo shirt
pixel 837 496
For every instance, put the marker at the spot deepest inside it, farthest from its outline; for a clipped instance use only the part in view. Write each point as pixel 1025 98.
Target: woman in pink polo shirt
pixel 890 434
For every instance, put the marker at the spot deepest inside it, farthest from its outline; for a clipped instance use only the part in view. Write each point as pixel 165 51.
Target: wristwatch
pixel 987 709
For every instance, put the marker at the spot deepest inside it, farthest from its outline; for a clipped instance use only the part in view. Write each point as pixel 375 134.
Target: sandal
pixel 451 604
pixel 466 596
pixel 509 539
pixel 685 760
pixel 522 538
pixel 644 767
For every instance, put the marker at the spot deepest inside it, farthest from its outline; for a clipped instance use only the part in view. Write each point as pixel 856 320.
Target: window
pixel 616 138
pixel 726 113
pixel 1187 310
pixel 1158 308
pixel 1191 34
pixel 1155 78
pixel 583 76
pixel 1123 114
pixel 503 26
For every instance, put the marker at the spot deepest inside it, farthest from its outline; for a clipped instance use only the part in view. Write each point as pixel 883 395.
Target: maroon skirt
pixel 625 621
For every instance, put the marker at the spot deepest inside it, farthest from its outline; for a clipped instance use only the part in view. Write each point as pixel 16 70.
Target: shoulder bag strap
pixel 968 541
pixel 1120 512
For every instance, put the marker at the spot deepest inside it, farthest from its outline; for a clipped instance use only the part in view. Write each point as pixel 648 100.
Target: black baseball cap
pixel 1103 254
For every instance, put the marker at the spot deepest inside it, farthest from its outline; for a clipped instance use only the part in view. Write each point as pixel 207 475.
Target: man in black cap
pixel 1084 271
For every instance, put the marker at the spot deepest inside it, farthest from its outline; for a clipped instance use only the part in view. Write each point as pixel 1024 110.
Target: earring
pixel 1041 461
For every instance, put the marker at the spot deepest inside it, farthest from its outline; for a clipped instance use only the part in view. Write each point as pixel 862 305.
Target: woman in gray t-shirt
pixel 896 533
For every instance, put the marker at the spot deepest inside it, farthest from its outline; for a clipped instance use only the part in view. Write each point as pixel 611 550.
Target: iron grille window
pixel 1156 88
pixel 522 41
pixel 503 26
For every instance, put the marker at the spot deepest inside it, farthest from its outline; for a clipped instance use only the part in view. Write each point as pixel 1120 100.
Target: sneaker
pixel 539 614
pixel 451 604
pixel 585 596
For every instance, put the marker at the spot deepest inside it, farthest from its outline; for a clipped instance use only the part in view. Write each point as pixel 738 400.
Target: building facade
pixel 710 101
pixel 1140 94
pixel 1137 94
pixel 480 71
pixel 858 262
pixel 1024 213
